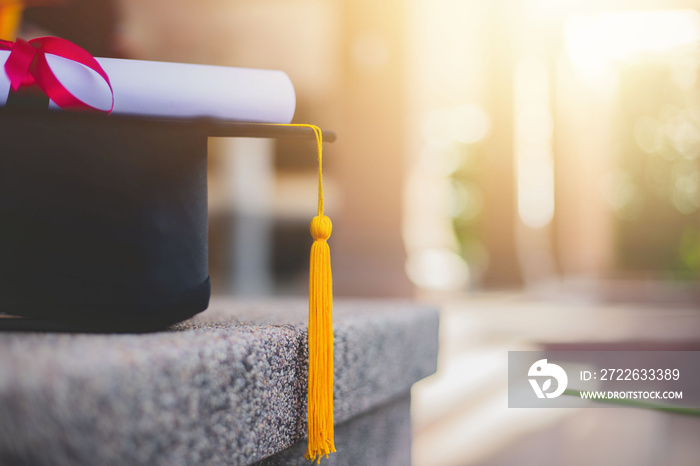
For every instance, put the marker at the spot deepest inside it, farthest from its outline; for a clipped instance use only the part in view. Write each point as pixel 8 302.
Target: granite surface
pixel 381 436
pixel 225 388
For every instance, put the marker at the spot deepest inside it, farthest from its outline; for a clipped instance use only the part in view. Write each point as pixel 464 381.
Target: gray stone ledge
pixel 225 388
pixel 381 436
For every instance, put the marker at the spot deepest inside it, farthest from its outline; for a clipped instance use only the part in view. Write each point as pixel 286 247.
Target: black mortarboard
pixel 103 219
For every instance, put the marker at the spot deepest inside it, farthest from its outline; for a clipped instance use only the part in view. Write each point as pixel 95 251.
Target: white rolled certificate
pixel 162 89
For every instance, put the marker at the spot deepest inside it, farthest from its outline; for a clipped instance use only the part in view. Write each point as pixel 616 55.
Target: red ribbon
pixel 27 66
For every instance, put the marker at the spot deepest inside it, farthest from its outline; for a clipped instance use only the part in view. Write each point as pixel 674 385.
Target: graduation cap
pixel 103 213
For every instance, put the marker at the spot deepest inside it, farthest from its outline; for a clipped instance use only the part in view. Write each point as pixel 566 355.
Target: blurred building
pixel 481 144
pixel 557 142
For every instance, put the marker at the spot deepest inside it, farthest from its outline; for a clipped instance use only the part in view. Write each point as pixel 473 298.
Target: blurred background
pixel 530 166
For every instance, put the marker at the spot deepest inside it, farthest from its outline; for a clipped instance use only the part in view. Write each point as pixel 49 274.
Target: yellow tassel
pixel 320 428
pixel 10 17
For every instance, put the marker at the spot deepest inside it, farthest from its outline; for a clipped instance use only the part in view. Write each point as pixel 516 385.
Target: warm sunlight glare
pixel 594 42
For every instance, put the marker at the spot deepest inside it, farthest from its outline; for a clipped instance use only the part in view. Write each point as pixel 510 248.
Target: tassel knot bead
pixel 321 227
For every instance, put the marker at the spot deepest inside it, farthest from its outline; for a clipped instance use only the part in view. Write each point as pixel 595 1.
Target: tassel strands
pixel 320 401
pixel 320 428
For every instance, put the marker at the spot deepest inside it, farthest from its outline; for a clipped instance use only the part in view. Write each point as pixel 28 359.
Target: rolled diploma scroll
pixel 163 89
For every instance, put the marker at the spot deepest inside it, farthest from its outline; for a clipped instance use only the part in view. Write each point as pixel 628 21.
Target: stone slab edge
pixel 226 387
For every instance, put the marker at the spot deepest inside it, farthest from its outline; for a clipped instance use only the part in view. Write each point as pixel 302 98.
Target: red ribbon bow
pixel 27 66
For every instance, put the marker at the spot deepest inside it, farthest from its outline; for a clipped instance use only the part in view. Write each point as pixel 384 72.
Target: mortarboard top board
pixel 103 218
